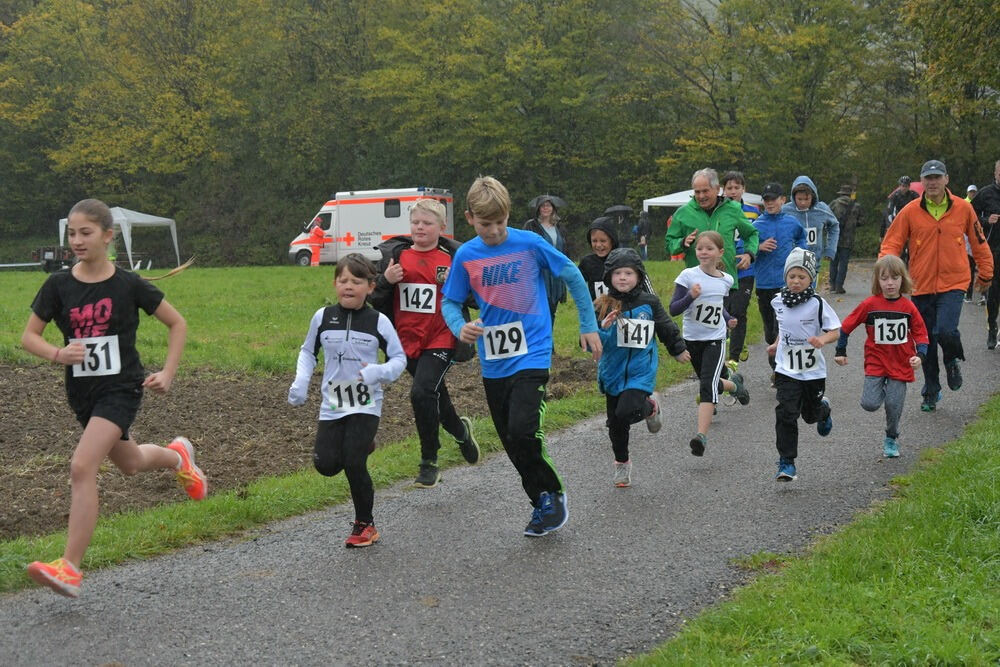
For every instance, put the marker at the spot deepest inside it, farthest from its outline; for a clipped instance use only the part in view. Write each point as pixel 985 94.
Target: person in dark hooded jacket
pixel 602 237
pixel 546 224
pixel 631 320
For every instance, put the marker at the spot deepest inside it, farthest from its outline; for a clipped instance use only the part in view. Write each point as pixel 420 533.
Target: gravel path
pixel 453 581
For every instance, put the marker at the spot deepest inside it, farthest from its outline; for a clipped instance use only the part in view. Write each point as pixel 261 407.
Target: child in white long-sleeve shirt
pixel 350 333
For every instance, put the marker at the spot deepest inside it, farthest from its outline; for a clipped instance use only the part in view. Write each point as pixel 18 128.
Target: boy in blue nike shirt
pixel 503 269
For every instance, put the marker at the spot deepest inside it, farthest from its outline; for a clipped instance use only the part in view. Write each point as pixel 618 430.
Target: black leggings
pixel 627 408
pixel 344 444
pixel 796 398
pixel 767 317
pixel 517 406
pixel 736 305
pixel 430 400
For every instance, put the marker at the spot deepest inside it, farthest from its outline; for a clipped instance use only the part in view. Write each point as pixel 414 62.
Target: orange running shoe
pixel 362 535
pixel 189 475
pixel 60 575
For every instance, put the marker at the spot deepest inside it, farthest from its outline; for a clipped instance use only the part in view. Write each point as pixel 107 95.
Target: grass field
pixel 913 582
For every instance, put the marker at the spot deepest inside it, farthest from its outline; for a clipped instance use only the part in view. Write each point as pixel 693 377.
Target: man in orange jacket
pixel 936 226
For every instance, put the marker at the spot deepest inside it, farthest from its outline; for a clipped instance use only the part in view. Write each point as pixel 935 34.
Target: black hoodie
pixel 592 266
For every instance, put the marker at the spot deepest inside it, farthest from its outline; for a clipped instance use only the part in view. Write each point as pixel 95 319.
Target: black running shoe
pixel 698 445
pixel 740 392
pixel 954 375
pixel 428 477
pixel 469 447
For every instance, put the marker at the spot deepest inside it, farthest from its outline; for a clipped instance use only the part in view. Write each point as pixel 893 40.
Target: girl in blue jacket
pixel 631 319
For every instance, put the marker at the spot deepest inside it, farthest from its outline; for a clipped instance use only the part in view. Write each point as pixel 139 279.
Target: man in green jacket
pixel 708 209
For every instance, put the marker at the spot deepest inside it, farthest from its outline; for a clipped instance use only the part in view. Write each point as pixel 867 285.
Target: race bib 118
pixel 349 396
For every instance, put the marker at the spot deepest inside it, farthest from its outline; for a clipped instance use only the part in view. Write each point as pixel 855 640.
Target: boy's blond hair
pixel 488 199
pixel 432 206
pixel 894 266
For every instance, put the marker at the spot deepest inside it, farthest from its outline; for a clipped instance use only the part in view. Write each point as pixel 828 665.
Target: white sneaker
pixel 623 474
pixel 653 421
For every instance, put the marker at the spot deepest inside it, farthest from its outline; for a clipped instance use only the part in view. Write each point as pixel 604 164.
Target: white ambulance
pixel 359 221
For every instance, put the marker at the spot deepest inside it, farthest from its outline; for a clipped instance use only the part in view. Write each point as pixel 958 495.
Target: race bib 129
pixel 505 341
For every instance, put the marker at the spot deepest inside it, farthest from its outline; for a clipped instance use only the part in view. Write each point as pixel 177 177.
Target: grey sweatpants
pixel 882 390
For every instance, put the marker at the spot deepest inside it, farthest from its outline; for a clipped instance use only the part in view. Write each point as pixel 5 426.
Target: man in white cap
pixel 934 226
pixel 970 192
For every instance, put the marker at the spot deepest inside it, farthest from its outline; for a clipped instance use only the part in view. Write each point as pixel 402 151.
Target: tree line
pixel 239 117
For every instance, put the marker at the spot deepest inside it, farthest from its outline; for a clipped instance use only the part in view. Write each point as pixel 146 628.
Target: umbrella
pixel 558 202
pixel 618 209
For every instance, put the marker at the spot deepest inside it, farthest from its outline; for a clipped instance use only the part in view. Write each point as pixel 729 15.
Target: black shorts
pixel 119 406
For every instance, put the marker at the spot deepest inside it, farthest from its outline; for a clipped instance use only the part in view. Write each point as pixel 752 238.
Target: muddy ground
pixel 242 426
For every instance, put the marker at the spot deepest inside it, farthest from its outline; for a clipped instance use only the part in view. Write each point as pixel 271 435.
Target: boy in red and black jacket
pixel 407 289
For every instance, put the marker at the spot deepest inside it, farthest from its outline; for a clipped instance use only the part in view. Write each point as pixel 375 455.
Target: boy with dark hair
pixel 733 187
pixel 779 234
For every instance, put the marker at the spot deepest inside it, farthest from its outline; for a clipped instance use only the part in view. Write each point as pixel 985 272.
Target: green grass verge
pixel 245 319
pixel 917 581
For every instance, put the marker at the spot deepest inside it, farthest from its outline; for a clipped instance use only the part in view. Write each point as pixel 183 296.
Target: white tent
pixel 125 220
pixel 678 199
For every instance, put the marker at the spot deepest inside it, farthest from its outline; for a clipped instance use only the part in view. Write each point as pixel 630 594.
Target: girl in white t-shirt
pixel 806 323
pixel 698 294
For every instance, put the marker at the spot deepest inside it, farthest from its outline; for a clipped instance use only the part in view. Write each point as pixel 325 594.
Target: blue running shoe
pixel 534 527
pixel 890 449
pixel 554 512
pixel 786 470
pixel 550 515
pixel 824 427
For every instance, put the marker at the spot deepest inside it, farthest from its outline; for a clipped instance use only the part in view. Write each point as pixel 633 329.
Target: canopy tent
pixel 678 199
pixel 124 220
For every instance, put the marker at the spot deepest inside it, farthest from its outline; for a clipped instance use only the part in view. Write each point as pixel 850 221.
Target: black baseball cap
pixel 933 168
pixel 772 191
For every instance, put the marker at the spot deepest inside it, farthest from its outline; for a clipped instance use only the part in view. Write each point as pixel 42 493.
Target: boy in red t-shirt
pixel 411 273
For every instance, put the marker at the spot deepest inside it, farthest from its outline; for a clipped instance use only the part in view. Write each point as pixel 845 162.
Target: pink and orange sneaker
pixel 60 575
pixel 189 476
pixel 362 535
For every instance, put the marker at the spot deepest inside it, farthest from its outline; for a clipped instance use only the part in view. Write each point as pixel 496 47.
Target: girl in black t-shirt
pixel 96 307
